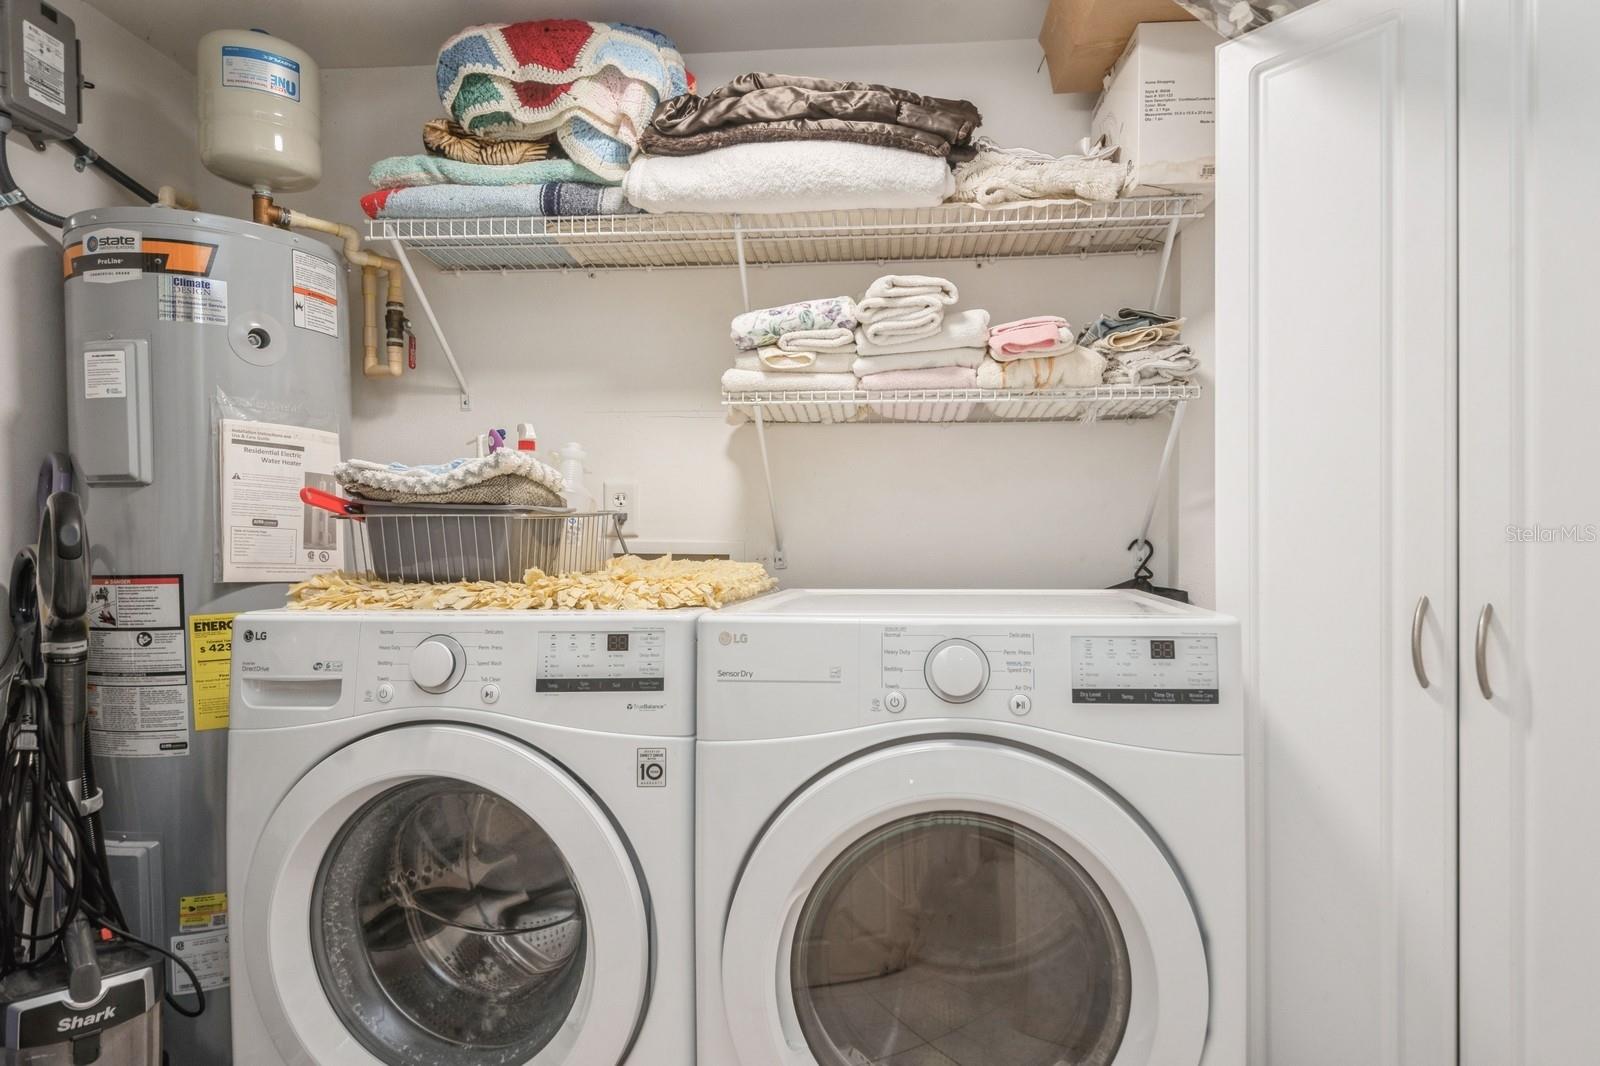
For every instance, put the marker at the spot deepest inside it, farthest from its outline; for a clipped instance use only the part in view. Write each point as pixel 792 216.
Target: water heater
pixel 208 376
pixel 260 111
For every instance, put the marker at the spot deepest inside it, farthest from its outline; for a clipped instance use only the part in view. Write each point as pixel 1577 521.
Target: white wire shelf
pixel 1103 403
pixel 951 231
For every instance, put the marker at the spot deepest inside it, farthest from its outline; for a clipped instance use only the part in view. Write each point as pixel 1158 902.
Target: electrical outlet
pixel 623 496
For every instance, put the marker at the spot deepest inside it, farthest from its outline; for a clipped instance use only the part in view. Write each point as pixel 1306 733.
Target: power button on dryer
pixel 895 702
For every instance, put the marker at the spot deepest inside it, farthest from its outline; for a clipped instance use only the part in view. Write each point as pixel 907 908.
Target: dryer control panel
pixel 1144 669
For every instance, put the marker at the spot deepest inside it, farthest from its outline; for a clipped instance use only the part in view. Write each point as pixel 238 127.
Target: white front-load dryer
pixel 970 829
pixel 462 838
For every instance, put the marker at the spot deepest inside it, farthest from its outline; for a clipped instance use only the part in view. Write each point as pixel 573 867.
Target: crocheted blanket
pixel 595 85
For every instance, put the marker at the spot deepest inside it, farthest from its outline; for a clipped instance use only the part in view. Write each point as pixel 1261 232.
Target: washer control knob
pixel 957 671
pixel 437 664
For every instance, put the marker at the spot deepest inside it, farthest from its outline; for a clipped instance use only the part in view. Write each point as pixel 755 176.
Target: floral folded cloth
pixel 1078 368
pixel 757 329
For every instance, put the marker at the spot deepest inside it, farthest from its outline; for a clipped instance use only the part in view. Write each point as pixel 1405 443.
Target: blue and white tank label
pixel 267 72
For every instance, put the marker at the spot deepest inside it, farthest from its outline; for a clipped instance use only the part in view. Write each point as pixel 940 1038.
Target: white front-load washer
pixel 462 838
pixel 970 829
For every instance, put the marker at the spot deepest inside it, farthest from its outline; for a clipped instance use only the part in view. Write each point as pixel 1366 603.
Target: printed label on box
pixel 44 67
pixel 266 72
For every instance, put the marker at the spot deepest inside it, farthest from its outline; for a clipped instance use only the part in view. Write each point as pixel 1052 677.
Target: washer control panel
pixel 1145 669
pixel 917 664
pixel 587 660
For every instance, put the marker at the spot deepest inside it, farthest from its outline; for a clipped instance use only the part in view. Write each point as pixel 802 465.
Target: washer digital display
pixel 1122 669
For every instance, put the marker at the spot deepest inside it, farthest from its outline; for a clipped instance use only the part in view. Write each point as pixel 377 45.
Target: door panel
pixel 1530 796
pixel 1335 511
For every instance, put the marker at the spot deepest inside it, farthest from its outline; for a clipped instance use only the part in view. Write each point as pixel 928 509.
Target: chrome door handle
pixel 1416 642
pixel 1481 652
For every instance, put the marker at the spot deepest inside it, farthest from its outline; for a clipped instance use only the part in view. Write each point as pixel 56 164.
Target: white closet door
pixel 1530 506
pixel 1335 503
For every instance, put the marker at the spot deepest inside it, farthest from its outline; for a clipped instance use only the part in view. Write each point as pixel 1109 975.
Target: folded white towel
pixel 818 340
pixel 772 357
pixel 901 286
pixel 959 329
pixel 502 477
pixel 737 380
pixel 880 364
pixel 1169 364
pixel 772 177
pixel 909 319
pixel 1079 368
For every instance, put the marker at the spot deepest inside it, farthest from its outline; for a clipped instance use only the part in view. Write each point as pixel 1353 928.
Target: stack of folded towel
pixel 807 345
pixel 771 143
pixel 908 339
pixel 1038 353
pixel 1141 348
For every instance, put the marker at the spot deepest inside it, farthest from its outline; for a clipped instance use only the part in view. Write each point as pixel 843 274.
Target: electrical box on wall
pixel 40 81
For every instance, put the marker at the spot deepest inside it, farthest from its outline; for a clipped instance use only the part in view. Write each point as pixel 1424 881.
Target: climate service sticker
pixel 185 299
pixel 267 72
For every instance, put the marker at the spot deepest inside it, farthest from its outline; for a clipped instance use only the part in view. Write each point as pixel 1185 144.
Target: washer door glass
pixel 446 928
pixel 952 938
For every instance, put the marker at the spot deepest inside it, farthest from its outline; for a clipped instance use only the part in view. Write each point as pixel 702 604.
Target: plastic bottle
pixel 571 457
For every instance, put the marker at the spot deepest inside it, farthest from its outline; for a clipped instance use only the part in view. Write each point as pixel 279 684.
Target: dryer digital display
pixel 1121 669
pixel 602 661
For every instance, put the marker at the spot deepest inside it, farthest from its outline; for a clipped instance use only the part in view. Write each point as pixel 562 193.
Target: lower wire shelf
pixel 1102 403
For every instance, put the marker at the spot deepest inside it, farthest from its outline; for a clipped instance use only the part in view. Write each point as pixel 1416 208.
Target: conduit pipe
pixel 267 213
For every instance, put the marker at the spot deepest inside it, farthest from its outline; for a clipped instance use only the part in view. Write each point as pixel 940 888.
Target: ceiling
pixel 389 33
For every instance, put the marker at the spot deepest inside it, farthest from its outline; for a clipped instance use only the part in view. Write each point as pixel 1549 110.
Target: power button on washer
pixel 385 692
pixel 895 702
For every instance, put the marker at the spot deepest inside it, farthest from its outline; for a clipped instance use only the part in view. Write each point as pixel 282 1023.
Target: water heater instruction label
pixel 267 72
pixel 138 677
pixel 180 298
pixel 316 294
pixel 44 67
pixel 267 533
pixel 105 374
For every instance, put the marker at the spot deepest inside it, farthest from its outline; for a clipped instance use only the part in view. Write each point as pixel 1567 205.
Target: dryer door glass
pixel 446 928
pixel 951 938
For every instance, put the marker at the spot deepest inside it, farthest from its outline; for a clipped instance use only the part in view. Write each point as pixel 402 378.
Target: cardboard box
pixel 1160 108
pixel 1083 38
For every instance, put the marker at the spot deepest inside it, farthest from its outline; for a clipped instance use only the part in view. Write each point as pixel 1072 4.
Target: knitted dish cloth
pixel 998 175
pixel 595 85
pixel 504 477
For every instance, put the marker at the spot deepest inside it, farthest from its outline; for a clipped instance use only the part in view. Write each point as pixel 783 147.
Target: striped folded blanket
pixel 404 171
pixel 549 199
pixel 595 85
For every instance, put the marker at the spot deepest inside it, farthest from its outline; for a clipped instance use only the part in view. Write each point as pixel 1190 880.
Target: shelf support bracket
pixel 433 320
pixel 1166 261
pixel 1167 452
pixel 780 560
pixel 744 267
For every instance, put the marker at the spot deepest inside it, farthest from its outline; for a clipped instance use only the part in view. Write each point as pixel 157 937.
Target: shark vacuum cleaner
pixel 76 987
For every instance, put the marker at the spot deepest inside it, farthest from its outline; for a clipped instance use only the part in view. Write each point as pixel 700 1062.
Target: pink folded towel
pixel 938 377
pixel 1027 335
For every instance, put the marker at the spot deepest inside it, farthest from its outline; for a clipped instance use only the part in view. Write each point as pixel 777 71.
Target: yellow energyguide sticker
pixel 210 667
pixel 207 911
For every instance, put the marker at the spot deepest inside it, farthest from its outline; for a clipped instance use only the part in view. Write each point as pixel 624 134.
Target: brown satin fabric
pixel 882 134
pixel 788 99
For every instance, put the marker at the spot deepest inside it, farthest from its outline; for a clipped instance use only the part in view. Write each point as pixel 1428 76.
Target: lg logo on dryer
pixel 727 639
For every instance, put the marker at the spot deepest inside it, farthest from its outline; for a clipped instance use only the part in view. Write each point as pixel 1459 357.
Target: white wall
pixel 627 363
pixel 140 116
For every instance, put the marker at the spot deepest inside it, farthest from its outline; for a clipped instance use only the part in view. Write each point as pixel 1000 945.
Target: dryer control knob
pixel 437 664
pixel 957 671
